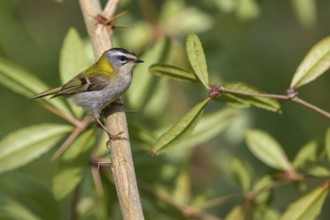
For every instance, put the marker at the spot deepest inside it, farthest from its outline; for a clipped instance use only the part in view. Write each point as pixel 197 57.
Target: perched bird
pixel 101 84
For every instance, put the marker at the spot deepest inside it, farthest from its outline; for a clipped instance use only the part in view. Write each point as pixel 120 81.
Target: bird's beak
pixel 139 61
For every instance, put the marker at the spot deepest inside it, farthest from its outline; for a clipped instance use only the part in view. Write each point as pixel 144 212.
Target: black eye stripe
pixel 122 58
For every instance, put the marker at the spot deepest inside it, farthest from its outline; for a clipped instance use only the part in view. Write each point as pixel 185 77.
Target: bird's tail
pixel 48 92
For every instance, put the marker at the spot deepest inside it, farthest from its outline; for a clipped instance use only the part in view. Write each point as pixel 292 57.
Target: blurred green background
pixel 257 42
pixel 262 48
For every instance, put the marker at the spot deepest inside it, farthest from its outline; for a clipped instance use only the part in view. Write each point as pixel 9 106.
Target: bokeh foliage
pixel 227 163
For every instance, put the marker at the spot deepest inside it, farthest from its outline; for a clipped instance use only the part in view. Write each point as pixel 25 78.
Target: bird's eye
pixel 122 58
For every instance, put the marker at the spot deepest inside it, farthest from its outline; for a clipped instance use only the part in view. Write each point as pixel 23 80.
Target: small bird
pixel 101 84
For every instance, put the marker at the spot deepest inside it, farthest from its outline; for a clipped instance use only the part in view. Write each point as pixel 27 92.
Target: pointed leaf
pixel 181 129
pixel 197 58
pixel 308 153
pixel 237 213
pixel 318 171
pixel 19 80
pixel 327 143
pixel 182 191
pixel 73 57
pixel 73 60
pixel 309 206
pixel 247 101
pixel 267 149
pixel 26 84
pixel 241 174
pixel 264 212
pixel 260 190
pixel 144 83
pixel 208 126
pixel 172 72
pixel 27 144
pixel 73 165
pixel 315 63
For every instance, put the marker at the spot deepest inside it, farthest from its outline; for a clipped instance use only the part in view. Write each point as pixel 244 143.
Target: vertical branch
pixel 100 35
pixel 121 156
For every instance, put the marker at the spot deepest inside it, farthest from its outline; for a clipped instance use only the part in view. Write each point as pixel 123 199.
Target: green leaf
pixel 264 212
pixel 181 129
pixel 247 101
pixel 308 153
pixel 73 165
pixel 308 207
pixel 262 190
pixel 226 6
pixel 174 11
pixel 247 10
pixel 327 143
pixel 24 83
pixel 24 197
pixel 241 174
pixel 73 60
pixel 27 144
pixel 182 191
pixel 318 171
pixel 267 149
pixel 237 213
pixel 197 59
pixel 144 83
pixel 19 80
pixel 73 57
pixel 306 12
pixel 208 127
pixel 11 209
pixel 172 72
pixel 315 63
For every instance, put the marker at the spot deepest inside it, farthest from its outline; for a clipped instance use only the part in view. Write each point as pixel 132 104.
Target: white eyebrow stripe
pixel 120 53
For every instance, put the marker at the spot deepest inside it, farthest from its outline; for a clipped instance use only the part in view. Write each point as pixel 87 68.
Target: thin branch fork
pixel 218 90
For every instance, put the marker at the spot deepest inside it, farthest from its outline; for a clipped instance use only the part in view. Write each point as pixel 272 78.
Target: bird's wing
pixel 81 83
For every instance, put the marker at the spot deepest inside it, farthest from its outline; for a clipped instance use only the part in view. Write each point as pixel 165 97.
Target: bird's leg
pixel 111 136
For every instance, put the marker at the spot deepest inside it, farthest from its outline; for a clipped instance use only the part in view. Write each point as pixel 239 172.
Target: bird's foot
pixel 115 137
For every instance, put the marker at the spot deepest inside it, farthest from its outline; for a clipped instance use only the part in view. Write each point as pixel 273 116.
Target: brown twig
pixel 61 114
pixel 311 106
pixel 121 157
pixel 186 210
pixel 110 8
pixel 80 128
pixel 280 97
pixel 219 201
pixel 97 181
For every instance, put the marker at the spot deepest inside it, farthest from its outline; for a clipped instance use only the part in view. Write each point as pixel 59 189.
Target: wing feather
pixel 81 83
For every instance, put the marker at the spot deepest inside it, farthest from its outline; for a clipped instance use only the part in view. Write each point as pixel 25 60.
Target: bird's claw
pixel 116 137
